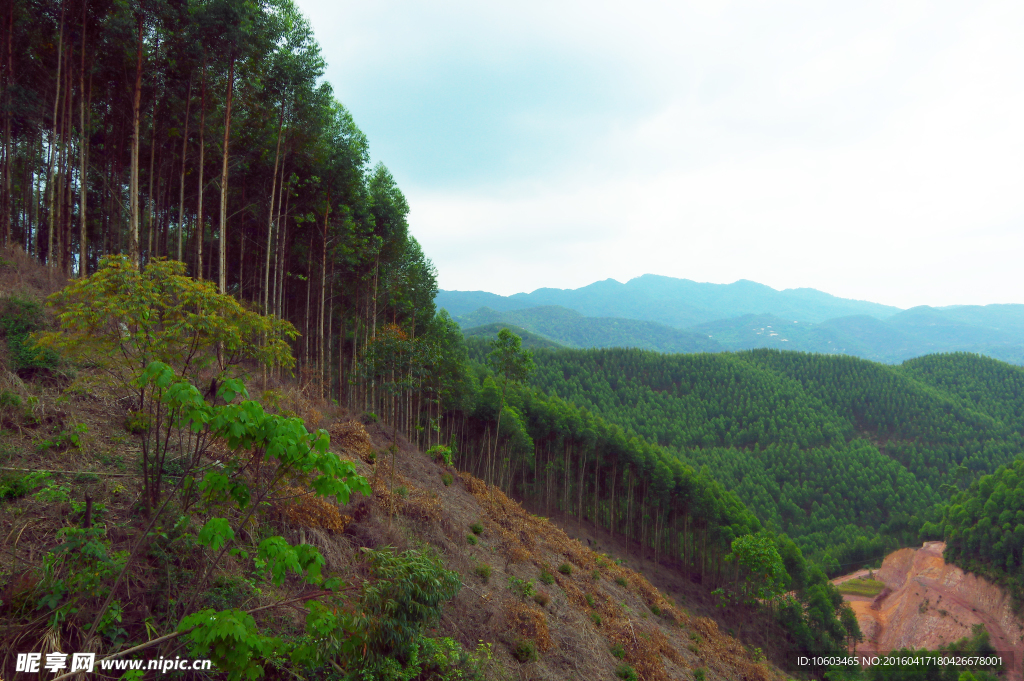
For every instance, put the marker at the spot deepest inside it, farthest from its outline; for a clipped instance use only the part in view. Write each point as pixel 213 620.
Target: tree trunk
pixel 184 155
pixel 200 229
pixel 133 198
pixel 323 294
pixel 270 215
pixel 51 188
pixel 224 184
pixel 83 156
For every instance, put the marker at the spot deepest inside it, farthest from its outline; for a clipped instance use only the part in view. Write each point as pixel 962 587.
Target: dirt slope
pixel 932 604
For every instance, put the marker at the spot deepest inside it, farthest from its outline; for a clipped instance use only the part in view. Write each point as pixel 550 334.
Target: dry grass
pixel 529 622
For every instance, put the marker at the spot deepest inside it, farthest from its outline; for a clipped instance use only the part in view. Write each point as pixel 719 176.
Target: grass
pixel 861 587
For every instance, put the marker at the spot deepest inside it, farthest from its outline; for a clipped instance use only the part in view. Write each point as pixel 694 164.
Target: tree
pixel 513 365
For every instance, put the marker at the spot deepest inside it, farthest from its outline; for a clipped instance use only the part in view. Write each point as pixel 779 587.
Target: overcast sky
pixel 873 150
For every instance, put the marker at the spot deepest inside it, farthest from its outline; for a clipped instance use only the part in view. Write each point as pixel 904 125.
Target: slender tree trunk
pixel 200 222
pixel 323 294
pixel 133 224
pixel 51 188
pixel 149 195
pixel 8 76
pixel 270 215
pixel 224 183
pixel 184 156
pixel 83 155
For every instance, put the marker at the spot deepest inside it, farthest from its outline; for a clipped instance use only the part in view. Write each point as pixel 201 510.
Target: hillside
pixel 572 329
pixel 530 339
pixel 433 506
pixel 846 456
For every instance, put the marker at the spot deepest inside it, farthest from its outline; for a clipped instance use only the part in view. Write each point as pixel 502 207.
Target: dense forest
pixel 847 456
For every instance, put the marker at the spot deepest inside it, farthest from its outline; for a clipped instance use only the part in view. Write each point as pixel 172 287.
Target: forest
pixel 847 456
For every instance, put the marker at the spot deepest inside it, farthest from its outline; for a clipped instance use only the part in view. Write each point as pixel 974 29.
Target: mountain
pixel 570 328
pixel 531 340
pixel 680 303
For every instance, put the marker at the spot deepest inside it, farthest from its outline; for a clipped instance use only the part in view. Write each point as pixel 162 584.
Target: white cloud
pixel 871 150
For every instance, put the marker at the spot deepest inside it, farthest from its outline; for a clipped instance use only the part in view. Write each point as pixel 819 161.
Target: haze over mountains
pixel 678 315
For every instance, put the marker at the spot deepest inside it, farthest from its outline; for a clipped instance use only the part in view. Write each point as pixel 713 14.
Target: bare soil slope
pixel 931 603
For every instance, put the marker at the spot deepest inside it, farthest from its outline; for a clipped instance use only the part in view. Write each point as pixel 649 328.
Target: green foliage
pixel 230 639
pixel 541 599
pixel 483 571
pixel 65 439
pixel 19 319
pixel 699 674
pixel 590 600
pixel 477 528
pixel 441 454
pixel 565 569
pixel 547 578
pixel 621 581
pixel 471 539
pixel 618 651
pixel 765 577
pixel 525 651
pixel 595 618
pixel 14 486
pixel 447 479
pixel 403 596
pixel 138 422
pixel 627 673
pixel 861 587
pixel 122 319
pixel 522 588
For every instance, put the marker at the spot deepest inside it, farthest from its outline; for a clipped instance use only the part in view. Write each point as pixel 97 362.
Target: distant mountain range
pixel 682 316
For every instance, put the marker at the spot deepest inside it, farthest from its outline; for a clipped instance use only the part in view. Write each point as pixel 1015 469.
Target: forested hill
pixel 845 455
pixel 743 315
pixel 679 303
pixel 570 328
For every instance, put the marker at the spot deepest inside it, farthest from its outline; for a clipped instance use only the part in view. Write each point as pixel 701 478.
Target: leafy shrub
pixel 621 581
pixel 447 479
pixel 618 651
pixel 595 618
pixel 9 400
pixel 15 486
pixel 369 417
pixel 483 571
pixel 547 578
pixel 441 454
pixel 65 439
pixel 138 422
pixel 565 569
pixel 522 588
pixel 402 491
pixel 595 575
pixel 477 528
pixel 655 610
pixel 699 674
pixel 19 318
pixel 624 671
pixel 471 539
pixel 590 600
pixel 525 651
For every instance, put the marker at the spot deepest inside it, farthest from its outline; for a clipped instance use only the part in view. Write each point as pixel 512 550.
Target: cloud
pixel 873 150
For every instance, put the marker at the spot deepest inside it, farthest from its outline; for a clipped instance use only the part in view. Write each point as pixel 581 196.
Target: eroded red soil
pixel 932 604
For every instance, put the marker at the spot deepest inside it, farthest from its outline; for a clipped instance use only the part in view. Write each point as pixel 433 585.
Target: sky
pixel 872 150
